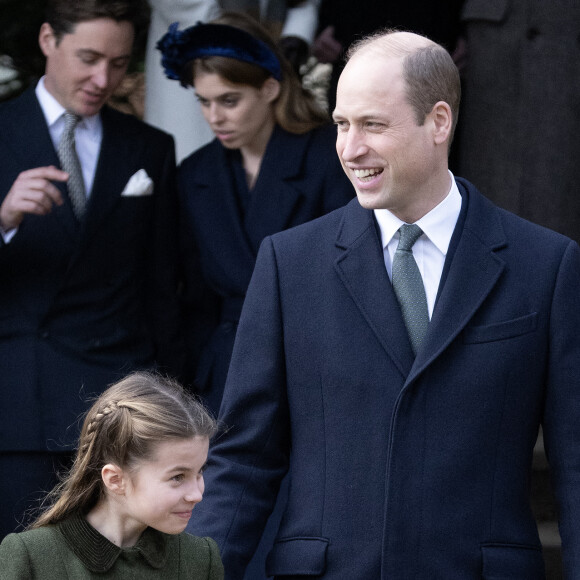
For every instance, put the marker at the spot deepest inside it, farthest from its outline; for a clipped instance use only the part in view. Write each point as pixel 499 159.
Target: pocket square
pixel 139 184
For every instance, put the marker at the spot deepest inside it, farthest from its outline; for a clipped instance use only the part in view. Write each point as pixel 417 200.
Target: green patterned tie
pixel 408 286
pixel 70 163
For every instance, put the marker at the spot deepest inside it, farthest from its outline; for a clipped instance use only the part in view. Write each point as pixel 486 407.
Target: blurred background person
pixel 272 166
pixel 88 245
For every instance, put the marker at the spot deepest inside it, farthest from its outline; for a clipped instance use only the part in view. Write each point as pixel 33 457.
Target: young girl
pixel 123 507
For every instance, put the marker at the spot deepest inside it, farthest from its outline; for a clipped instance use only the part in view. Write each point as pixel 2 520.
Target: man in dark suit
pixel 87 291
pixel 406 412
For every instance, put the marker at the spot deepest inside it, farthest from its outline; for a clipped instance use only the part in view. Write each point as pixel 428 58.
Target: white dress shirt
pixel 88 133
pixel 430 250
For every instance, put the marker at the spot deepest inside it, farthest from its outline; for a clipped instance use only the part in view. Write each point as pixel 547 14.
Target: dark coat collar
pixel 98 554
pixel 275 195
pixel 471 272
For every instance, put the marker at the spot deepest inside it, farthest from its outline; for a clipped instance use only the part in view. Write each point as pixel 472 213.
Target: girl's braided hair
pixel 123 427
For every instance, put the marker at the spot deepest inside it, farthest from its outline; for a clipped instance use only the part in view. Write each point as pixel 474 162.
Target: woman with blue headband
pixel 273 165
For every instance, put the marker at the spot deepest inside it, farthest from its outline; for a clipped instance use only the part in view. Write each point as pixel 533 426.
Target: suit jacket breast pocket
pixel 501 330
pixel 489 10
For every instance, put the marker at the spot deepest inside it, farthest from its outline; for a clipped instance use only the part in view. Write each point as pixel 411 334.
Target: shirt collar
pixel 98 554
pixel 437 225
pixel 53 110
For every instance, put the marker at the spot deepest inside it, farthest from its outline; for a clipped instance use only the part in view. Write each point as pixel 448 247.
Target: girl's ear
pixel 114 478
pixel 271 89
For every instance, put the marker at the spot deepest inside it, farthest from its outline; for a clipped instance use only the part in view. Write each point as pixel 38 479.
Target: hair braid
pixel 123 427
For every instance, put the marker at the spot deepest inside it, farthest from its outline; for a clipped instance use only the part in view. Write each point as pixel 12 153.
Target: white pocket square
pixel 139 184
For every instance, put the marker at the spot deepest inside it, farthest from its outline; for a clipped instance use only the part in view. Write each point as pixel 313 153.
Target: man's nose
pixel 351 144
pixel 101 76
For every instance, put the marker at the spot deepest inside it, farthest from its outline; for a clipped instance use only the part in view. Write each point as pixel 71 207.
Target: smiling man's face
pixel 389 158
pixel 84 67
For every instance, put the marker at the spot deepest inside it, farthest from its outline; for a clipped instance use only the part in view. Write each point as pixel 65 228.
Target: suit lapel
pixel 39 150
pixel 216 178
pixel 117 159
pixel 274 197
pixel 474 270
pixel 361 268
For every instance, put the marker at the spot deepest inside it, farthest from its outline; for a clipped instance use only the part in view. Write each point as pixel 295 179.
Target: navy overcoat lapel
pixel 474 270
pixel 217 183
pixel 274 197
pixel 361 267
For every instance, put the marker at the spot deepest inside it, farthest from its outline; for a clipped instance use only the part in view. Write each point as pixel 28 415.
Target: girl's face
pixel 162 492
pixel 241 116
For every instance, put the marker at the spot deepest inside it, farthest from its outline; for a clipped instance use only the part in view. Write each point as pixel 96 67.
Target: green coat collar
pixel 98 554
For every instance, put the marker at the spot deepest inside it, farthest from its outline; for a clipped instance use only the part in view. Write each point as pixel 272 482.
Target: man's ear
pixel 114 478
pixel 442 119
pixel 271 89
pixel 47 39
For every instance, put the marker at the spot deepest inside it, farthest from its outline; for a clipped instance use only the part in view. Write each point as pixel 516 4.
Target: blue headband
pixel 180 47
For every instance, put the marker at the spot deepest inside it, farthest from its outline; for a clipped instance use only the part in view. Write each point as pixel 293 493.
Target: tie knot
pixel 70 121
pixel 409 234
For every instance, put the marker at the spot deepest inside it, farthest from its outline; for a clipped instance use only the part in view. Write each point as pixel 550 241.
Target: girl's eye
pixel 230 102
pixel 179 477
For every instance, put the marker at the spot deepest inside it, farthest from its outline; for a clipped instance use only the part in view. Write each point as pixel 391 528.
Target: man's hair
pixel 64 15
pixel 428 70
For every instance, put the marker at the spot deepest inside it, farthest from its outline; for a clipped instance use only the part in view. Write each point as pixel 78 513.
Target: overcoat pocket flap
pixel 512 562
pixel 491 10
pixel 292 556
pixel 501 330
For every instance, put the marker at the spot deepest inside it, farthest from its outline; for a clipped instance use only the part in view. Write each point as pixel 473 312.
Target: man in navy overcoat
pixel 404 463
pixel 82 300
